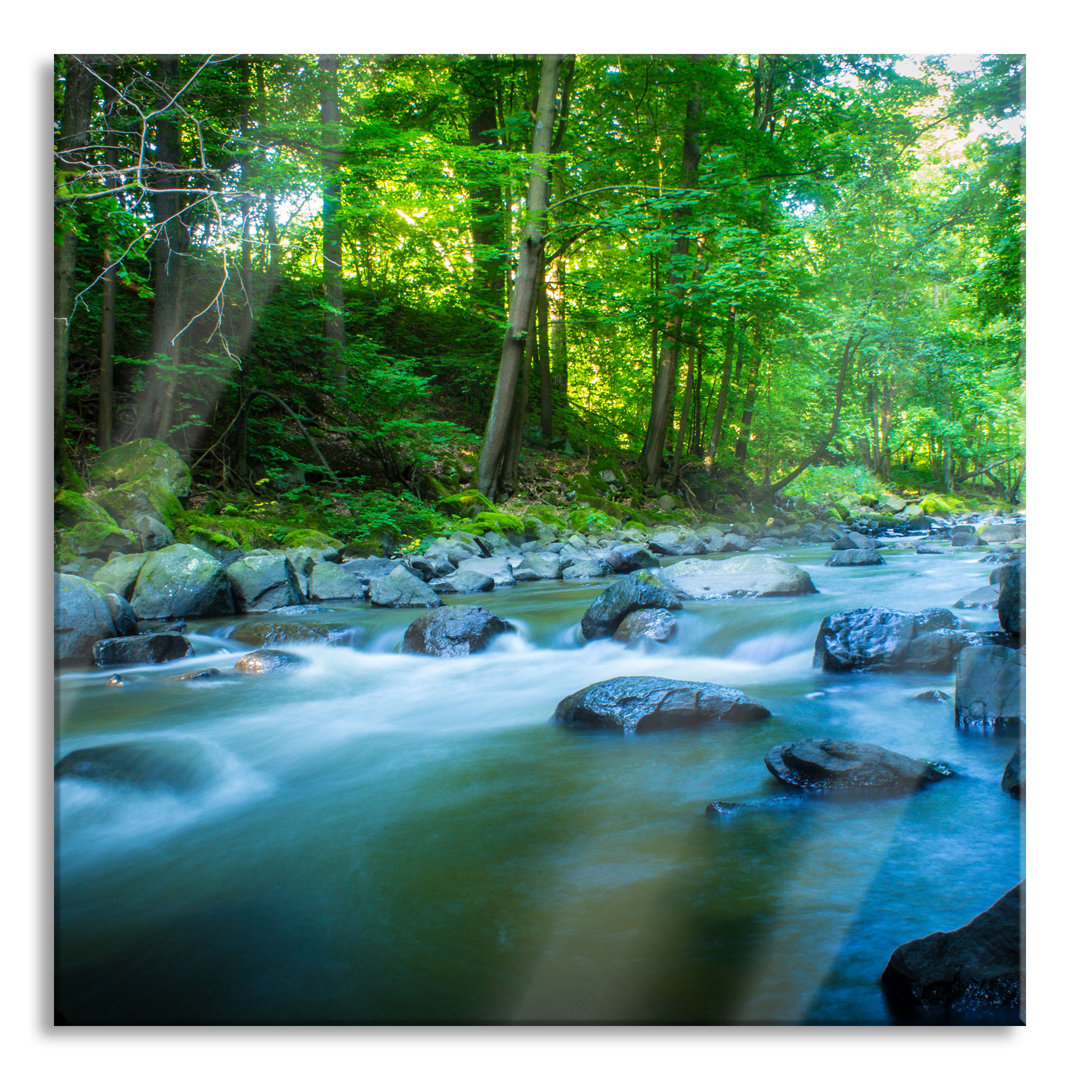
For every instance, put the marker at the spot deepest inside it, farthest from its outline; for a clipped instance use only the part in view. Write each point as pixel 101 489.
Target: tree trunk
pixel 333 284
pixel 170 246
pixel 73 136
pixel 684 418
pixel 543 359
pixel 742 443
pixel 530 259
pixel 725 386
pixel 485 191
pixel 108 298
pixel 516 438
pixel 652 454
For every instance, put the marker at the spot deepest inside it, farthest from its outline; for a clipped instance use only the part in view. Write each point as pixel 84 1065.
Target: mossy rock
pixel 935 506
pixel 310 538
pixel 499 522
pixel 143 462
pixel 100 538
pixel 546 515
pixel 588 520
pixel 71 509
pixel 584 485
pixel 126 502
pixel 466 503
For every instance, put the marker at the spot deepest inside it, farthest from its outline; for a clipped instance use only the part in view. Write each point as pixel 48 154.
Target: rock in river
pixel 844 765
pixel 970 975
pixel 181 581
pixel 886 639
pixel 263 661
pixel 85 613
pixel 453 631
pixel 648 625
pixel 990 685
pixel 631 593
pixel 855 556
pixel 400 589
pixel 263 582
pixel 641 704
pixel 141 649
pixel 741 575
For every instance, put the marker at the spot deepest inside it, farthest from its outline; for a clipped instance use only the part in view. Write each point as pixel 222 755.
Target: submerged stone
pixel 842 764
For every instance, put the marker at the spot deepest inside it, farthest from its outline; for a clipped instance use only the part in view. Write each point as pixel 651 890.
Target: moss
pixel 90 537
pixel 125 502
pixel 466 503
pixel 546 515
pixel 310 538
pixel 223 529
pixel 142 461
pixel 71 509
pixel 591 521
pixel 500 522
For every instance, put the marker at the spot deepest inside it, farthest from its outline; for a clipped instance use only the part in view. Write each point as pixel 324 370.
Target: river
pixel 379 838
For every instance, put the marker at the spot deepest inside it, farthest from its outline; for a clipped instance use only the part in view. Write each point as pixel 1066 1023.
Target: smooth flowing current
pixel 380 838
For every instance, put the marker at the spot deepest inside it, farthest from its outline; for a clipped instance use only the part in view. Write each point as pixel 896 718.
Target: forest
pixel 373 295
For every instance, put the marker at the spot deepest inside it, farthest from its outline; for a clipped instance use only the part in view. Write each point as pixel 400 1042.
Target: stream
pixel 379 838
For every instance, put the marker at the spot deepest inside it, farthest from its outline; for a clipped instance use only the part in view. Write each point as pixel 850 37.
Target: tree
pixel 530 259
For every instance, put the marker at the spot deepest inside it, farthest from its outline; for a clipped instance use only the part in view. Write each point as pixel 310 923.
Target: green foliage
pixel 591 521
pixel 468 503
pixel 833 483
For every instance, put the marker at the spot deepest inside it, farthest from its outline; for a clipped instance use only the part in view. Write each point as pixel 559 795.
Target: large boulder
pixel 886 639
pixel 850 541
pixel 330 581
pixel 366 570
pixel 642 704
pixel 970 975
pixel 263 582
pixel 637 590
pixel 741 575
pixel 463 581
pixel 855 556
pixel 626 558
pixel 453 631
pixel 181 581
pixel 588 567
pixel 400 589
pixel 497 568
pixel 1000 534
pixel 990 685
pixel 85 613
pixel 119 574
pixel 144 462
pixel 844 765
pixel 539 566
pixel 676 540
pixel 1012 602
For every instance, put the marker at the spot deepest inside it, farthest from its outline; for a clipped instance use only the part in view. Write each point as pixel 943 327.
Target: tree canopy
pixel 326 275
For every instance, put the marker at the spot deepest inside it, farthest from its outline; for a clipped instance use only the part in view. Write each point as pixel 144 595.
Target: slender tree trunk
pixel 333 283
pixel 516 437
pixel 684 418
pixel 108 296
pixel 652 454
pixel 170 247
pixel 742 443
pixel 73 136
pixel 485 191
pixel 530 259
pixel 543 358
pixel 725 386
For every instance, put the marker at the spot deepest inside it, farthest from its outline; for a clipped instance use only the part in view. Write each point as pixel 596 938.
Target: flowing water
pixel 379 838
